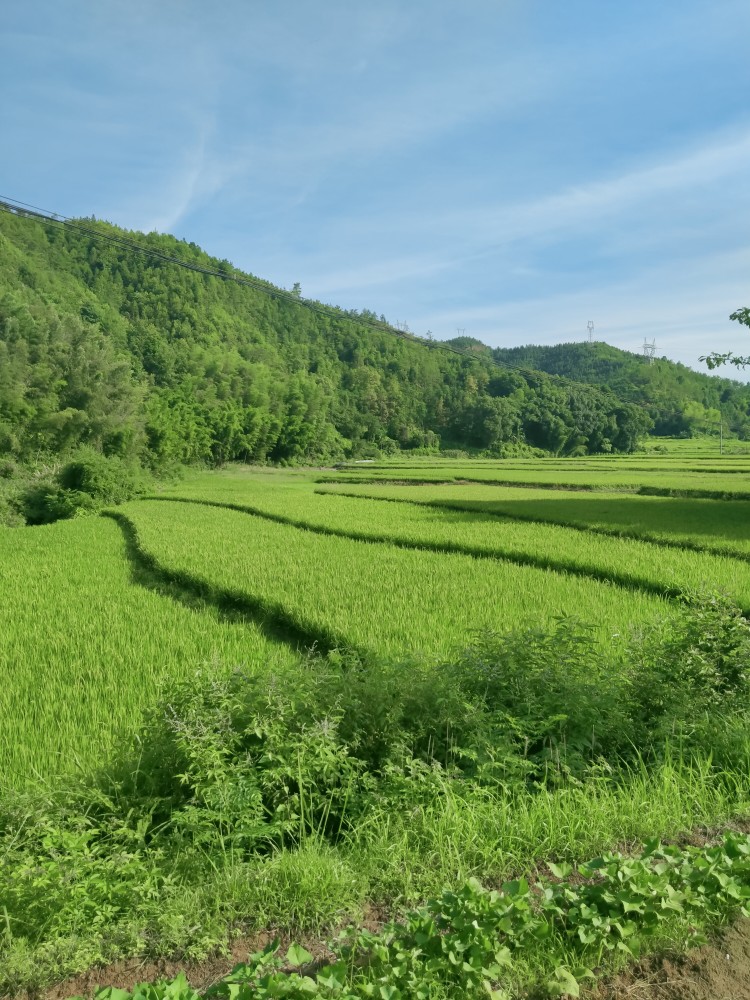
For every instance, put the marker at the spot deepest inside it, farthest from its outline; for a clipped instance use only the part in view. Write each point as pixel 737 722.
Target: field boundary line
pixel 641 491
pixel 666 543
pixel 457 481
pixel 275 620
pixel 623 581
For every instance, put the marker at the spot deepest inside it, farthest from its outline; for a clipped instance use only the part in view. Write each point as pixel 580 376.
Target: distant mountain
pixel 677 399
pixel 135 356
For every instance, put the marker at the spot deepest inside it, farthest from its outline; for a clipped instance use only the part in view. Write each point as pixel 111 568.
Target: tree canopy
pixel 677 400
pixel 105 347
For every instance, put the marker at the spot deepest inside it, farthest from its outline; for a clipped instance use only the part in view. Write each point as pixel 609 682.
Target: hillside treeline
pixel 104 347
pixel 678 400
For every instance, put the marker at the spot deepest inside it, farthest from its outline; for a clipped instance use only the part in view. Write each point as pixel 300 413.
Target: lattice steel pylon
pixel 649 350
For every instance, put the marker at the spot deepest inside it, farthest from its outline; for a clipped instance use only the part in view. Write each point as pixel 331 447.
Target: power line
pixel 22 209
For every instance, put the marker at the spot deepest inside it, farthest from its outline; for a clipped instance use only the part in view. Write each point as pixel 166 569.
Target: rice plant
pixel 433 520
pixel 377 597
pixel 84 648
pixel 691 523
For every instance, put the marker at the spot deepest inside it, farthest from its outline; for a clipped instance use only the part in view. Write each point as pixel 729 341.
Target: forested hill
pixel 678 399
pixel 138 357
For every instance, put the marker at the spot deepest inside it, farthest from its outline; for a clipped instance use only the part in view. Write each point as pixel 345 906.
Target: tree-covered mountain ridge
pixel 679 400
pixel 137 357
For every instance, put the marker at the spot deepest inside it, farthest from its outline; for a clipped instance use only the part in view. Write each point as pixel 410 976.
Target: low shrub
pixel 84 485
pixel 8 468
pixel 105 479
pixel 694 667
pixel 260 760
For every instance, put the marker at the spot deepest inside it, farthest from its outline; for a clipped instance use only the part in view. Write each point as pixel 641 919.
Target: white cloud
pixel 597 201
pixel 509 236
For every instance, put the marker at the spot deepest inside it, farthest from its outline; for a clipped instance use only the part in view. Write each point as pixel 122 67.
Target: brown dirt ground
pixel 718 971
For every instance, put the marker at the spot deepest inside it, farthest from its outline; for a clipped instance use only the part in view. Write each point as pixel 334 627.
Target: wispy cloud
pixel 457 239
pixel 193 180
pixel 709 163
pixel 593 203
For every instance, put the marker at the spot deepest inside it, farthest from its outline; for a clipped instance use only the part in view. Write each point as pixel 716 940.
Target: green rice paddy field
pixel 712 478
pixel 345 564
pixel 402 562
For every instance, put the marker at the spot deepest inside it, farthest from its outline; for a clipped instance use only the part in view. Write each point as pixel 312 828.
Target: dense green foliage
pixel 85 484
pixel 136 357
pixel 677 399
pixel 466 943
pixel 332 764
pixel 343 765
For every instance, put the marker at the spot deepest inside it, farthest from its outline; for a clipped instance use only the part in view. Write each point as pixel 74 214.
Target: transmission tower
pixel 590 328
pixel 649 350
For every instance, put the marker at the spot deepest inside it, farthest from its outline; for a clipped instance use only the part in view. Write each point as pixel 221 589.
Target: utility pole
pixel 590 328
pixel 649 350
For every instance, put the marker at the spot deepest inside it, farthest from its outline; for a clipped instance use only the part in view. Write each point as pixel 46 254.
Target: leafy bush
pixel 696 665
pixel 556 697
pixel 259 760
pixel 8 468
pixel 84 485
pixel 10 517
pixel 105 480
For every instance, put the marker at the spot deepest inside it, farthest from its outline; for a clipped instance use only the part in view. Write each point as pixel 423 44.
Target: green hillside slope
pixel 678 399
pixel 137 357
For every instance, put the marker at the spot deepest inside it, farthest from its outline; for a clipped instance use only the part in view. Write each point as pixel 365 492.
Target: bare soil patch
pixel 718 971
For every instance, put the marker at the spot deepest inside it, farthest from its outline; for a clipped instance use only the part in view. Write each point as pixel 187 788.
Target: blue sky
pixel 511 168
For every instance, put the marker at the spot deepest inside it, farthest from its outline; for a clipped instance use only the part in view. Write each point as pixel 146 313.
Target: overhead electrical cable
pixel 24 210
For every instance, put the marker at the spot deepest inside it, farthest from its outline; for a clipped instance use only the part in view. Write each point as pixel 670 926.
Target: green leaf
pixel 560 871
pixel 518 887
pixel 297 955
pixel 390 993
pixel 563 984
